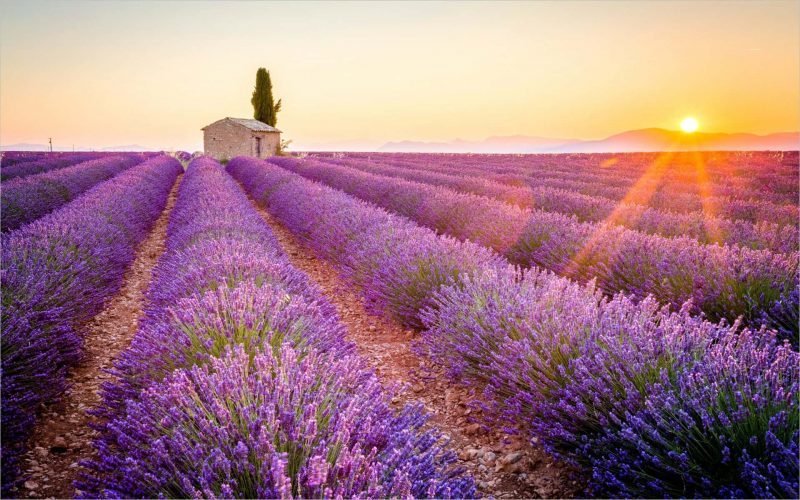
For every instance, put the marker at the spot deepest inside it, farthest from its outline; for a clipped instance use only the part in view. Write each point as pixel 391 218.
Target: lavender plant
pixel 398 264
pixel 56 274
pixel 722 282
pixel 586 374
pixel 37 163
pixel 240 383
pixel 272 425
pixel 201 326
pixel 725 426
pixel 706 228
pixel 784 316
pixel 26 199
pixel 654 403
pixel 751 186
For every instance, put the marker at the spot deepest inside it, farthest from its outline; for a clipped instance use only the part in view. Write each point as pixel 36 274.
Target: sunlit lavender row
pixel 651 402
pixel 721 281
pixel 706 228
pixel 648 190
pixel 240 383
pixel 57 272
pixel 671 178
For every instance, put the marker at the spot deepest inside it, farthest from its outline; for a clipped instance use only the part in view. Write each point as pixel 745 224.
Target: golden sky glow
pixel 358 74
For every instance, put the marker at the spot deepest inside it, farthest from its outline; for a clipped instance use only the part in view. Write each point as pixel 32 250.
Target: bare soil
pixel 504 465
pixel 63 434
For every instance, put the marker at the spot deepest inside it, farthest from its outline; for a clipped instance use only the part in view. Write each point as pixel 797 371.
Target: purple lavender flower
pixel 271 425
pixel 25 164
pixel 56 274
pixel 649 400
pixel 240 383
pixel 28 198
pixel 699 225
pixel 723 282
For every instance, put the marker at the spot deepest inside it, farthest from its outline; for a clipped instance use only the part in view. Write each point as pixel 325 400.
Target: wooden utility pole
pixel 50 139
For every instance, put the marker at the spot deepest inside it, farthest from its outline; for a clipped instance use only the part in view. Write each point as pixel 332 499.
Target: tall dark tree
pixel 265 109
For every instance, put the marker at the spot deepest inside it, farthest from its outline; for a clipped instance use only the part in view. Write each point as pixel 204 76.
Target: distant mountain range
pixel 24 146
pixel 643 140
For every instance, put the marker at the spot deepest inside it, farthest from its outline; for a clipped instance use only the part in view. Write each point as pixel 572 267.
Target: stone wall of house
pixel 269 144
pixel 225 140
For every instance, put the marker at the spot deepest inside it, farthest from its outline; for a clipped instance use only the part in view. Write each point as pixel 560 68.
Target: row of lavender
pixel 653 403
pixel 722 282
pixel 37 163
pixel 56 274
pixel 737 168
pixel 706 228
pixel 240 383
pixel 737 175
pixel 9 158
pixel 758 209
pixel 649 190
pixel 20 164
pixel 28 198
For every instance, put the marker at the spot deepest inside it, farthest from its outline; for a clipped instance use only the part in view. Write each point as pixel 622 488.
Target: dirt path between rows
pixel 503 465
pixel 63 437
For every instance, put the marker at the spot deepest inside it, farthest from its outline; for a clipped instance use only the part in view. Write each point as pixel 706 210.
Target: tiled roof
pixel 251 124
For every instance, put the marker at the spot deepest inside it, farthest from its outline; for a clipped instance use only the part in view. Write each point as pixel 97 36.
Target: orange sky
pixel 98 74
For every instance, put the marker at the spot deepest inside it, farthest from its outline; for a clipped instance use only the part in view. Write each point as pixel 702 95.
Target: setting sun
pixel 689 125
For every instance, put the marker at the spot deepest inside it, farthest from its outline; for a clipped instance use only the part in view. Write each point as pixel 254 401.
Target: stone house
pixel 230 137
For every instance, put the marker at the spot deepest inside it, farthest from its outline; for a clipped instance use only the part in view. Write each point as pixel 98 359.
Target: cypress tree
pixel 265 109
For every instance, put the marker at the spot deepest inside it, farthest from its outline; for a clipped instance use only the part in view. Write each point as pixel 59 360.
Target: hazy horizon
pixel 363 74
pixel 494 144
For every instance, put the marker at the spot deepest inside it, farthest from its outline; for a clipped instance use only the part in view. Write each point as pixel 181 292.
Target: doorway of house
pixel 258 147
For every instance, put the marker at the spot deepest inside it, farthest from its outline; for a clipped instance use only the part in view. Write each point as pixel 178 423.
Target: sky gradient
pixel 356 75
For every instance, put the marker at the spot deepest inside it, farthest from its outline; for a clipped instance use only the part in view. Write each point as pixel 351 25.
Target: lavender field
pixel 573 325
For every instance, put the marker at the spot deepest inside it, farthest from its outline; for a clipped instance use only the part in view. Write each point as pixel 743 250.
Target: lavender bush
pixel 652 402
pixel 36 163
pixel 273 426
pixel 56 274
pixel 722 282
pixel 752 186
pixel 655 403
pixel 398 264
pixel 240 383
pixel 9 158
pixel 28 198
pixel 725 426
pixel 784 315
pixel 222 281
pixel 704 227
